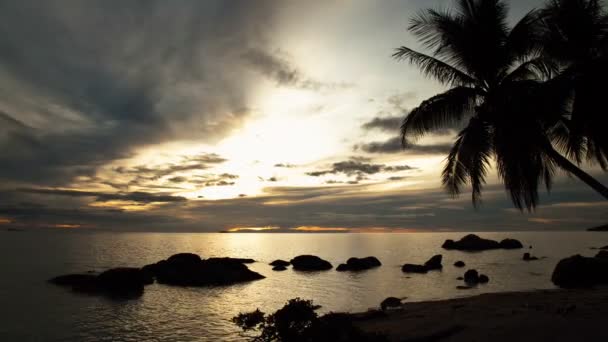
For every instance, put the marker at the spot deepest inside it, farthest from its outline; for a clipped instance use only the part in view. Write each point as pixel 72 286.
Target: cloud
pixel 387 123
pixel 83 84
pixel 277 67
pixel 393 145
pixel 285 165
pixel 359 168
pixel 140 197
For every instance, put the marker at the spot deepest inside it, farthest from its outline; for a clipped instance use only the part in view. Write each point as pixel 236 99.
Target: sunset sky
pixel 222 115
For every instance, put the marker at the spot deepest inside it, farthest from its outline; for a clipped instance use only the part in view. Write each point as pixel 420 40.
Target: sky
pixel 230 115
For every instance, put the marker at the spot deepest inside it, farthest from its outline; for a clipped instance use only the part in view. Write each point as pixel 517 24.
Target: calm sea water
pixel 32 310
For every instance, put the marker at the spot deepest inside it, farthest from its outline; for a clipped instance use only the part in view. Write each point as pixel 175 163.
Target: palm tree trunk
pixel 567 165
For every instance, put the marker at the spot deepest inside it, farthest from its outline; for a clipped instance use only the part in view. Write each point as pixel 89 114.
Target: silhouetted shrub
pixel 298 321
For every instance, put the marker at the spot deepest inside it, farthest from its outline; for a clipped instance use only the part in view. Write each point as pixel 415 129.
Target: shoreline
pixel 539 315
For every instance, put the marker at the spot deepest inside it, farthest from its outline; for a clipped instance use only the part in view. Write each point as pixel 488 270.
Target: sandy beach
pixel 547 315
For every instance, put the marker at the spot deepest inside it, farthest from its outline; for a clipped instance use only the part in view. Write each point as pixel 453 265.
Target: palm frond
pixel 440 111
pixel 468 160
pixel 435 68
pixel 525 38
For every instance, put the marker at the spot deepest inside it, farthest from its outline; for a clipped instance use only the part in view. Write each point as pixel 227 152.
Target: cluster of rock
pixel 472 277
pixel 359 264
pixel 433 263
pixel 279 265
pixel 579 271
pixel 184 269
pixel 473 242
pixel 528 257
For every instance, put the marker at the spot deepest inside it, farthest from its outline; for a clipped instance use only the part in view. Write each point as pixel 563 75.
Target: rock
pixel 471 277
pixel 116 282
pixel 483 279
pixel 603 228
pixel 280 262
pixel 412 268
pixel 578 271
pixel 187 269
pixel 234 260
pixel 459 264
pixel 605 247
pixel 390 302
pixel 310 263
pixel 434 263
pixel 602 254
pixel 463 287
pixel 460 278
pixel 279 268
pixel 473 242
pixel 528 257
pixel 359 264
pixel 510 244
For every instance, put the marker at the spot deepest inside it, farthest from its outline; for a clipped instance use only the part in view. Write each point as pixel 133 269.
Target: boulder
pixel 463 287
pixel 579 271
pixel 602 254
pixel 279 268
pixel 483 279
pixel 412 268
pixel 460 278
pixel 605 247
pixel 528 257
pixel 473 242
pixel 434 263
pixel 359 264
pixel 280 262
pixel 187 270
pixel 390 302
pixel 310 263
pixel 459 263
pixel 510 244
pixel 234 260
pixel 471 277
pixel 119 282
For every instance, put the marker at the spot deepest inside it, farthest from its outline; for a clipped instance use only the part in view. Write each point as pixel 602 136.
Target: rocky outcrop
pixel 279 268
pixel 359 264
pixel 528 257
pixel 116 282
pixel 579 271
pixel 280 262
pixel 483 279
pixel 471 277
pixel 187 269
pixel 433 263
pixel 390 302
pixel 602 254
pixel 473 242
pixel 459 264
pixel 310 263
pixel 603 228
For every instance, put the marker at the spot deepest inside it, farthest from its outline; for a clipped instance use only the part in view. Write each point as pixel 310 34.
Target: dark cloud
pixel 358 167
pixel 87 83
pixel 141 197
pixel 393 145
pixel 285 165
pixel 278 68
pixel 387 123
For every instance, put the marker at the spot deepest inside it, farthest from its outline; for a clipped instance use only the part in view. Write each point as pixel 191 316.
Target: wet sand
pixel 546 315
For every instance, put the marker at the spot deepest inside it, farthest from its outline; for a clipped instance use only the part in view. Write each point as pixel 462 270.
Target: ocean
pixel 33 310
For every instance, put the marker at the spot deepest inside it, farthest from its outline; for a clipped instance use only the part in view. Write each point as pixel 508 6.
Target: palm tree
pixel 504 84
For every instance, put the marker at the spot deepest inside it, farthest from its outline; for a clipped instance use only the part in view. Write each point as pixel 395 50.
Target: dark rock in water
pixel 471 277
pixel 234 260
pixel 460 278
pixel 185 257
pixel 579 271
pixel 412 268
pixel 459 264
pixel 189 270
pixel 310 263
pixel 483 279
pixel 510 244
pixel 434 263
pixel 390 302
pixel 473 242
pixel 605 247
pixel 359 264
pixel 463 287
pixel 602 254
pixel 528 257
pixel 280 262
pixel 279 268
pixel 603 228
pixel 119 282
